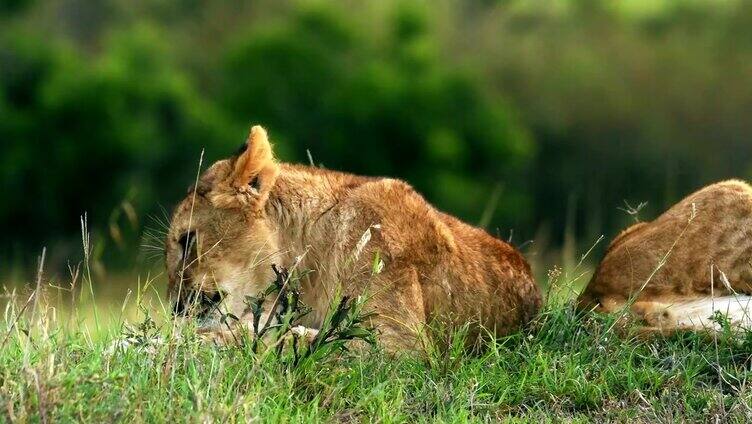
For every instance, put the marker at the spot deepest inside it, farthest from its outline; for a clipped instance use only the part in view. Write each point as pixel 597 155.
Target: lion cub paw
pixel 305 333
pixel 236 336
pixel 229 337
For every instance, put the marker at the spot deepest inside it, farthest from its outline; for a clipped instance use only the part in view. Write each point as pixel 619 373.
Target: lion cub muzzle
pixel 193 303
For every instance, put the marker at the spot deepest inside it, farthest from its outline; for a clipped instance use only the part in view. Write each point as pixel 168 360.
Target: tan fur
pixel 437 269
pixel 706 242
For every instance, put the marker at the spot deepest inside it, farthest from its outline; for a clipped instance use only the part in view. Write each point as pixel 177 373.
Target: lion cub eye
pixel 255 183
pixel 186 242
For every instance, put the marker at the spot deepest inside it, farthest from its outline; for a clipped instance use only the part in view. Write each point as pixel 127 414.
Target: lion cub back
pixel 675 271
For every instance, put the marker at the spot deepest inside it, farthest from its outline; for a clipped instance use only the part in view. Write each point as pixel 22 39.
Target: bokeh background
pixel 544 121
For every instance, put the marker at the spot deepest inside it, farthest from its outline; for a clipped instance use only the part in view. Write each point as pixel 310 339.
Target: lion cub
pixel 683 268
pixel 250 212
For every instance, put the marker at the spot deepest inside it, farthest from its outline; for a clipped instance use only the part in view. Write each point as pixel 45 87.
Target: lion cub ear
pixel 255 170
pixel 255 163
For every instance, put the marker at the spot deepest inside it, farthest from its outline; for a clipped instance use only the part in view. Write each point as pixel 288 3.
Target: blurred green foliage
pixel 377 107
pixel 565 109
pixel 80 135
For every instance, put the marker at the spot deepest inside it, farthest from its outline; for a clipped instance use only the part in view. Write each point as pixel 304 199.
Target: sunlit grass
pixel 562 368
pixel 56 366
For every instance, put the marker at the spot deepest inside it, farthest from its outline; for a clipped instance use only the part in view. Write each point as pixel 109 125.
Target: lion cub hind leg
pixel 699 314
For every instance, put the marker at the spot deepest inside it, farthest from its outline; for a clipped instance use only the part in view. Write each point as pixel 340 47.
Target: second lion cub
pixel 679 270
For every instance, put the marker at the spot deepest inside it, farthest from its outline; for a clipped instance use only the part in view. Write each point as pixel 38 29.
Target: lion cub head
pixel 220 243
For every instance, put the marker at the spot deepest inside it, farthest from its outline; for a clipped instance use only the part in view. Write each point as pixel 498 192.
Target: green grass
pixel 563 368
